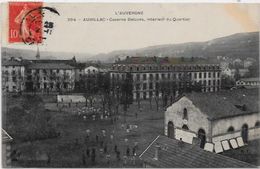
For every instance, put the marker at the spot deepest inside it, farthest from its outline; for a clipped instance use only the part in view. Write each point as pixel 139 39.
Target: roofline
pixel 240 114
pixel 194 146
pixel 149 146
pixel 11 138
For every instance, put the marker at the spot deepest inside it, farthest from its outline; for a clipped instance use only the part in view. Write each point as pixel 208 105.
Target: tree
pixel 127 91
pixel 227 82
pixel 237 74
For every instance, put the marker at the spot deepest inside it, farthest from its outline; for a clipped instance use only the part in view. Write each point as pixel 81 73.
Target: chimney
pixel 156 154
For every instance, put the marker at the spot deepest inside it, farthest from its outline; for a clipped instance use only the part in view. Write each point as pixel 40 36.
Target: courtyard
pixel 115 141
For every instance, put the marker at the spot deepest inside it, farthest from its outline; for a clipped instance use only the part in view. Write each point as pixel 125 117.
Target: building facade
pixel 214 118
pixel 38 75
pixel 50 77
pixel 248 83
pixel 13 75
pixel 151 75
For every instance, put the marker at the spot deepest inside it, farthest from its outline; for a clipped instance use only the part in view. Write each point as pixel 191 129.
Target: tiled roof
pixel 50 66
pixel 69 61
pixel 224 104
pixel 176 154
pixel 6 137
pixel 12 63
pixel 254 79
pixel 144 60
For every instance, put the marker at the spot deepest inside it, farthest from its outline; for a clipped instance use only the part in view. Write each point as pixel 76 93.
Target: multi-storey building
pixel 38 75
pixel 50 77
pixel 44 75
pixel 152 76
pixel 13 75
pixel 215 117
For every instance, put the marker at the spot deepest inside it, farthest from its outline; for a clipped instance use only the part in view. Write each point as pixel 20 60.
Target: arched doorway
pixel 202 137
pixel 244 133
pixel 170 129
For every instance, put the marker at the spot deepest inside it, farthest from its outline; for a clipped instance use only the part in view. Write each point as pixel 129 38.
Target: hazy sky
pixel 206 21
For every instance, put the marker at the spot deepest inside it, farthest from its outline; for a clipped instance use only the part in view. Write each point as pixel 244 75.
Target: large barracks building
pixel 149 73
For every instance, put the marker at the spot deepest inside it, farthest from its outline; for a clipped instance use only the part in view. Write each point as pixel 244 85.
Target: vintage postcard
pixel 130 85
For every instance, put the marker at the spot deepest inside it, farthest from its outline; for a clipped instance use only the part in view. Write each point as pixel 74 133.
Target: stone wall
pixel 196 120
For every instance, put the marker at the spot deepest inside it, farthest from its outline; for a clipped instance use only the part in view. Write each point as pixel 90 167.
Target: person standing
pixel 93 156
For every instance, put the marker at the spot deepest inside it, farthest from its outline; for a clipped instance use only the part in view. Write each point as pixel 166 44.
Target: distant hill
pixel 30 54
pixel 240 45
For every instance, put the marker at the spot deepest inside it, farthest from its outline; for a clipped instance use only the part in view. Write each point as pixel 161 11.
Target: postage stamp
pixel 25 22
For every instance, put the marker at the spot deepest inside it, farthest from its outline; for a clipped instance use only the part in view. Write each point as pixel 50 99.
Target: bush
pixel 31 121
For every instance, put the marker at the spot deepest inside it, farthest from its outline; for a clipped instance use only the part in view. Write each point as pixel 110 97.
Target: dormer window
pixel 185 114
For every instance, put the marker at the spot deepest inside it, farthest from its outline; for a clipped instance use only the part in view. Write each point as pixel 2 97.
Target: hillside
pixel 239 45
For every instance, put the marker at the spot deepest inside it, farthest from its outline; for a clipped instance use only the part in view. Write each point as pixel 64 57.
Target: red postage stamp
pixel 25 22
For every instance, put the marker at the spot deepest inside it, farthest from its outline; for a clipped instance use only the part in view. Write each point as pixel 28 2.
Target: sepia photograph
pixel 130 85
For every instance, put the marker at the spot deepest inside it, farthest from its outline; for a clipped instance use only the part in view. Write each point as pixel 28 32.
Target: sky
pixel 203 22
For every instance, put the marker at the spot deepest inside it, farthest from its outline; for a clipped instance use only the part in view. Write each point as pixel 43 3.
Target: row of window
pixel 151 85
pixel 197 75
pixel 37 71
pixel 14 72
pixel 168 67
pixel 231 128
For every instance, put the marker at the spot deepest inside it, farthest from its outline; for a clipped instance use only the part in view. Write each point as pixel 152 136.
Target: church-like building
pixel 214 117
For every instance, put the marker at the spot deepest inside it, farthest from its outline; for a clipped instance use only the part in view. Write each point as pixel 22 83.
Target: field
pixel 47 134
pixel 78 132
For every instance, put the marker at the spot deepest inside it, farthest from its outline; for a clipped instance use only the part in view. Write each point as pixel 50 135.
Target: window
pixel 174 76
pixel 185 127
pixel 209 74
pixel 137 68
pixel 185 114
pixel 169 75
pixel 137 87
pixel 214 74
pixel 151 76
pixel 195 75
pixel 144 95
pixel 200 75
pixel 151 86
pixel 157 76
pixel 144 76
pixel 257 124
pixel 205 75
pixel 209 82
pixel 144 86
pixel 162 76
pixel 218 74
pixel 230 129
pixel 157 86
pixel 14 79
pixel 138 77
